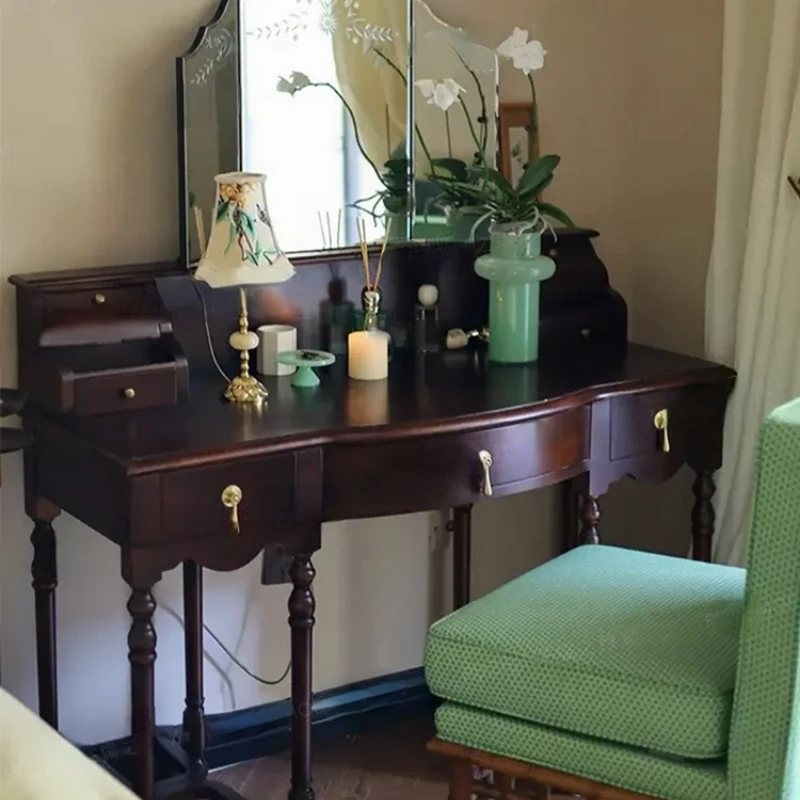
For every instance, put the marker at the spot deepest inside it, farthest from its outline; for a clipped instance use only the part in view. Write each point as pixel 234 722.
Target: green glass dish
pixel 306 362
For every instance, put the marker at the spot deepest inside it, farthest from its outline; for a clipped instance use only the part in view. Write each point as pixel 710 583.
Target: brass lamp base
pixel 244 388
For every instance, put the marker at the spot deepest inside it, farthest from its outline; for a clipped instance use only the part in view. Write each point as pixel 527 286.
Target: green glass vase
pixel 515 268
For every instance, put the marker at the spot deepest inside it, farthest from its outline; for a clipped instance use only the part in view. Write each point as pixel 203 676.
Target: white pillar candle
pixel 368 355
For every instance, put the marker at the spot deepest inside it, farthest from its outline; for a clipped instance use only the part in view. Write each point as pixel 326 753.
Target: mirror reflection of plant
pixel 298 81
pixel 442 171
pixel 394 189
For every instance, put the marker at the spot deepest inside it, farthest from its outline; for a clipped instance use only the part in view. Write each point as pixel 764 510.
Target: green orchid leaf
pixel 449 168
pixel 537 172
pixel 549 210
pixel 496 178
pixel 397 165
pixel 534 191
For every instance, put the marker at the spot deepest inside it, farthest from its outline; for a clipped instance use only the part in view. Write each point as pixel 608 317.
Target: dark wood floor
pixel 387 764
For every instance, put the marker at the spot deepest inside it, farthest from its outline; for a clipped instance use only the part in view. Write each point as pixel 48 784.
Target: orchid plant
pixel 486 189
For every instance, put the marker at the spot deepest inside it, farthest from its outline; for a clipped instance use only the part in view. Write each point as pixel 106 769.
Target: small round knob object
pixel 428 295
pixel 553 252
pixel 99 299
pixel 129 393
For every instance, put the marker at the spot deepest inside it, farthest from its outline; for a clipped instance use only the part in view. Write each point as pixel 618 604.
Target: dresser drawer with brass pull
pixel 649 423
pixel 252 498
pixel 369 480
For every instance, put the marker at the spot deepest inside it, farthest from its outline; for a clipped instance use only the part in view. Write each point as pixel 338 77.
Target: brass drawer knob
pixel 486 462
pixel 661 423
pixel 129 393
pixel 231 497
pixel 99 299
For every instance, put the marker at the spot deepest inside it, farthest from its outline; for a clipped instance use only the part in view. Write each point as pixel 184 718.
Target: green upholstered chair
pixel 618 674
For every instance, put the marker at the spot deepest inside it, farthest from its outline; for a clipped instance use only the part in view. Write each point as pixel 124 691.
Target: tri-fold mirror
pixel 320 95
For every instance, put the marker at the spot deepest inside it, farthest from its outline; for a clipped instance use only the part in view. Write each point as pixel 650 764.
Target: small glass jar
pixel 426 329
pixel 371 318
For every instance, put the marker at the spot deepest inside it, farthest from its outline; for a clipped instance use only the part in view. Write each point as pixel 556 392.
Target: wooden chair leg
pixel 460 780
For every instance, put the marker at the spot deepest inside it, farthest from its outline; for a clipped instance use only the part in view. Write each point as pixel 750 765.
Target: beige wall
pixel 87 177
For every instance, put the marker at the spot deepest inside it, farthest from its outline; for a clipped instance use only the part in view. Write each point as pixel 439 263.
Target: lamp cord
pixel 208 332
pixel 265 681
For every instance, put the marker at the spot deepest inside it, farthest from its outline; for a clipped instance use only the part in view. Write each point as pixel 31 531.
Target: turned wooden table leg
pixel 193 715
pixel 703 516
pixel 142 657
pixel 45 580
pixel 590 517
pixel 461 527
pixel 301 620
pixel 573 491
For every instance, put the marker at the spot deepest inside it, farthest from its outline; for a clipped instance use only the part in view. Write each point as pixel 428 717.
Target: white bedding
pixel 36 763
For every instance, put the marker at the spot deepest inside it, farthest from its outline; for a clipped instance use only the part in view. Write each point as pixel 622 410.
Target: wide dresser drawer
pixel 264 498
pixel 363 480
pixel 672 422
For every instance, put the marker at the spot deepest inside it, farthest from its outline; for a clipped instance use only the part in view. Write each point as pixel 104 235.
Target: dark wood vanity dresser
pixel 131 436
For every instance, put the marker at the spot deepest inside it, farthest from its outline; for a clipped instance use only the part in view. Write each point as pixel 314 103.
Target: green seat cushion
pixel 625 646
pixel 614 764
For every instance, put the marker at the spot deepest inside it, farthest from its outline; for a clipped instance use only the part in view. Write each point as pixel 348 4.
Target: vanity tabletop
pixel 452 391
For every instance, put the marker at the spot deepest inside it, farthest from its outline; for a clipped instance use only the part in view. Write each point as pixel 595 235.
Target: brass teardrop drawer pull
pixel 486 462
pixel 231 497
pixel 661 423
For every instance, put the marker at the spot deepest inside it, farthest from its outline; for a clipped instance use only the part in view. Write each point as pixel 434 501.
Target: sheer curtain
pixel 753 293
pixel 374 90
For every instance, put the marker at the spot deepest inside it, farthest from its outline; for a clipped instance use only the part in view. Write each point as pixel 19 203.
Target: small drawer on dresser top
pixel 124 390
pixel 246 498
pixel 644 424
pixel 451 469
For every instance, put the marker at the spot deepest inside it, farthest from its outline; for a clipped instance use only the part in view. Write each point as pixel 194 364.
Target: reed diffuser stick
pixel 330 230
pixel 380 259
pixel 321 229
pixel 339 228
pixel 362 238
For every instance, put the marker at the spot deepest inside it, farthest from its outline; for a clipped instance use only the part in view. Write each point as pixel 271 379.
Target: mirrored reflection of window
pixel 324 111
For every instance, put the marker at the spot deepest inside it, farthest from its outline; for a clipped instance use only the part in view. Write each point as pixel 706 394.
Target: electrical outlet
pixel 438 531
pixel 275 565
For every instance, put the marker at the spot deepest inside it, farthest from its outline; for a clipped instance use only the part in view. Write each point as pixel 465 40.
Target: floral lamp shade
pixel 242 248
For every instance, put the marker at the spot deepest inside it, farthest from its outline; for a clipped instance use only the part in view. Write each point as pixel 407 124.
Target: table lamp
pixel 242 251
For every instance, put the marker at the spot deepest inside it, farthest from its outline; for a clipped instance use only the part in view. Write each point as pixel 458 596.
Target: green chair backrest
pixel 764 755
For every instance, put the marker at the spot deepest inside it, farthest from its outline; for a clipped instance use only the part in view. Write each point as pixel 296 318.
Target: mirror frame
pixel 203 35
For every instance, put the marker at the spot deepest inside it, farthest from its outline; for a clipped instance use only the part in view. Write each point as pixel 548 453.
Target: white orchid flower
pixel 441 94
pixel 517 39
pixel 527 56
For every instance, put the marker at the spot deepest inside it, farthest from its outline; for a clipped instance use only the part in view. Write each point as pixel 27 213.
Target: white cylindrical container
pixel 368 355
pixel 272 340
